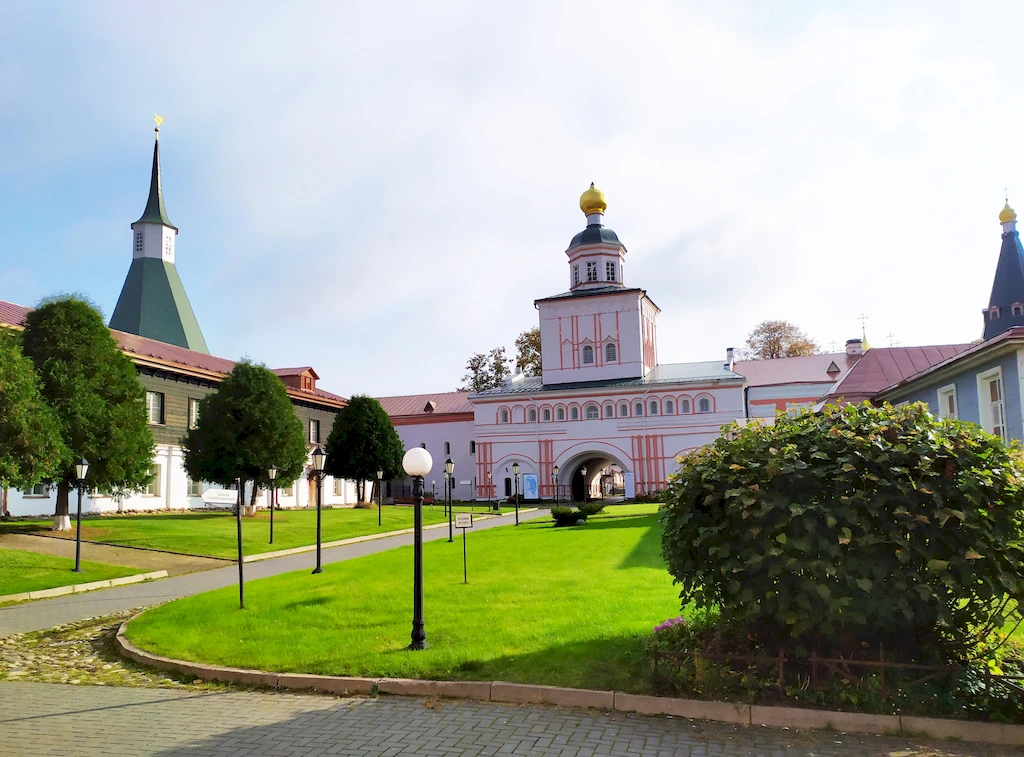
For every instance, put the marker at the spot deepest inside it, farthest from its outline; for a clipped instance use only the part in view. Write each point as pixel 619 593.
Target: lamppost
pixel 449 470
pixel 272 475
pixel 433 493
pixel 497 507
pixel 81 471
pixel 319 459
pixel 583 472
pixel 417 464
pixel 515 475
pixel 555 478
pixel 380 485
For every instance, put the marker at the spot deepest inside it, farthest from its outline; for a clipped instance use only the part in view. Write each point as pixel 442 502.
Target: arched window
pixel 638 409
pixel 684 406
pixel 532 415
pixel 447 448
pixel 561 413
pixel 609 352
pixel 574 413
pixel 654 407
pixel 704 406
pixel 670 407
pixel 547 413
pixel 472 447
pixel 609 411
pixel 504 416
pixel 588 354
pixel 593 413
pixel 624 410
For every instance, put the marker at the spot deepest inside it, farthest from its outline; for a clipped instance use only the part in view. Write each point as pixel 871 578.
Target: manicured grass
pixel 559 606
pixel 30 571
pixel 611 511
pixel 213 534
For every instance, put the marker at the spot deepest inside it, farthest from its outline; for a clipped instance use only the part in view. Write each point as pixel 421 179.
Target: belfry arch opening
pixel 590 476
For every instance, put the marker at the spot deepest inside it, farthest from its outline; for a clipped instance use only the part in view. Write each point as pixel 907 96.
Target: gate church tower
pixel 153 302
pixel 600 329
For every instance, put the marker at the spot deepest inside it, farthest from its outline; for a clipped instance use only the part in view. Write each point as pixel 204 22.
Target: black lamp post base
pixel 77 570
pixel 317 570
pixel 417 645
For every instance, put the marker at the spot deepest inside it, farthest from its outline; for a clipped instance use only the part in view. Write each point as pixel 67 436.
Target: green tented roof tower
pixel 153 302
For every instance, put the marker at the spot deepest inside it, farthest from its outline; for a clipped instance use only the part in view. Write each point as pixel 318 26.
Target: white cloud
pixel 343 178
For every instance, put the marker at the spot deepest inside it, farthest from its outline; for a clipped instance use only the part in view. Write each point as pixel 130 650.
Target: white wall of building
pixel 434 435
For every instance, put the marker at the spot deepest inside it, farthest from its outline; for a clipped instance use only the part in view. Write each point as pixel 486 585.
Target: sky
pixel 381 190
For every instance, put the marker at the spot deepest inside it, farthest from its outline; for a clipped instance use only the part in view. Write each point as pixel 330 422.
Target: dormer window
pixel 993 313
pixel 588 354
pixel 1017 308
pixel 609 271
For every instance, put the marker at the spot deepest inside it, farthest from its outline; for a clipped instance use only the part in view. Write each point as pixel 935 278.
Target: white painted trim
pixel 984 403
pixel 941 394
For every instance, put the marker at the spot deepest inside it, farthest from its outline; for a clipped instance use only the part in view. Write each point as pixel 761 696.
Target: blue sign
pixel 530 486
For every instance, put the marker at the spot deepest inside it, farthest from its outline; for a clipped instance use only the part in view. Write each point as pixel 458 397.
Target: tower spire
pixel 155 211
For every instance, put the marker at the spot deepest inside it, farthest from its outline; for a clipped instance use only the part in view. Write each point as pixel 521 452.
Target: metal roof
pixel 669 373
pixel 415 404
pixel 881 367
pixel 806 369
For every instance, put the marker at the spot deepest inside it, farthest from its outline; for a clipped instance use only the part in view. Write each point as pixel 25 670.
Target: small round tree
pixel 362 441
pixel 852 525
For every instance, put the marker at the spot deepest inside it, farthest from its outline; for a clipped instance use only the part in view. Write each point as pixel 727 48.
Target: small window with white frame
pixel 684 406
pixel 638 408
pixel 947 402
pixel 193 412
pixel 588 354
pixel 670 407
pixel 609 411
pixel 704 405
pixel 1017 309
pixel 531 415
pixel 314 431
pixel 286 492
pixel 609 271
pixel 39 490
pixel 339 487
pixel 574 413
pixel 624 410
pixel 654 408
pixel 195 488
pixel 991 403
pixel 504 415
pixel 561 413
pixel 547 414
pixel 153 487
pixel 575 274
pixel 591 270
pixel 610 353
pixel 593 413
pixel 155 408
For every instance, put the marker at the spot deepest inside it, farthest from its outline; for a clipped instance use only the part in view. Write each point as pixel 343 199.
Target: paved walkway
pixel 46 613
pixel 146 560
pixel 39 719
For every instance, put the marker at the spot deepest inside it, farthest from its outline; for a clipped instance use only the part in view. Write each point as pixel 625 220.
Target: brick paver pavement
pixel 38 719
pixel 47 613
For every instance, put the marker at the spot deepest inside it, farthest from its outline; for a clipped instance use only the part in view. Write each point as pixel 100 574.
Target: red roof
pixel 884 366
pixel 144 347
pixel 807 369
pixel 415 404
pixel 12 314
pixel 294 371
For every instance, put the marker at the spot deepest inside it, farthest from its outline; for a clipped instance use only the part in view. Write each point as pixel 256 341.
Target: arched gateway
pixel 606 476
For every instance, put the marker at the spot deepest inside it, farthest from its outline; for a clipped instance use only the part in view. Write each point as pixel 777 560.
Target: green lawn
pixel 29 571
pixel 560 606
pixel 213 534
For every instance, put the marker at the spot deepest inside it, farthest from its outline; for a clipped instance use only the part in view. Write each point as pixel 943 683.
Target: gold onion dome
pixel 1007 214
pixel 593 201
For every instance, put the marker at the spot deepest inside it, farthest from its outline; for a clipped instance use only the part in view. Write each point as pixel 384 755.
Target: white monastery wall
pixel 435 435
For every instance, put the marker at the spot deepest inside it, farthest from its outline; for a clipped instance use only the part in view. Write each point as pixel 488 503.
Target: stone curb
pixel 520 693
pixel 360 539
pixel 79 588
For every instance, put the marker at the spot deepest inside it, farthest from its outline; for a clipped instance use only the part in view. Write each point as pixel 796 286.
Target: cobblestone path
pixel 52 719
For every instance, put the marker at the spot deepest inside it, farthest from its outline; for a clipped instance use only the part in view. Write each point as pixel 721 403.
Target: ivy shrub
pixel 850 527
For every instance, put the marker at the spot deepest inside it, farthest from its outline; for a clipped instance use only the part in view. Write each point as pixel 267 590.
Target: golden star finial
pixel 159 120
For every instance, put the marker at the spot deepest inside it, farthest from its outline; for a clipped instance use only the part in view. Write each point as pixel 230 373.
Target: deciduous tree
pixel 362 441
pixel 31 447
pixel 485 371
pixel 246 426
pixel 94 391
pixel 775 339
pixel 528 357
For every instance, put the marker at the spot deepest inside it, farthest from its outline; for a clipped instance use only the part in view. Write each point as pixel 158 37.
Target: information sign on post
pixel 464 521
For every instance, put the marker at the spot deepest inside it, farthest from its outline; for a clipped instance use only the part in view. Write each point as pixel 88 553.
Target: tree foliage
pixel 528 355
pixel 246 426
pixel 854 525
pixel 775 339
pixel 31 447
pixel 486 371
pixel 94 391
pixel 363 440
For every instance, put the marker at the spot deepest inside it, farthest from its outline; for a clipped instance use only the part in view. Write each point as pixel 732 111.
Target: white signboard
pixel 467 482
pixel 463 520
pixel 220 496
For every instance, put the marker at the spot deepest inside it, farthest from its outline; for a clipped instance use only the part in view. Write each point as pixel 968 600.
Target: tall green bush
pixel 852 526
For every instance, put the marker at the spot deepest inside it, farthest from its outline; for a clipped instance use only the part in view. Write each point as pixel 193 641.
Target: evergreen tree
pixel 31 447
pixel 246 426
pixel 94 391
pixel 362 441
